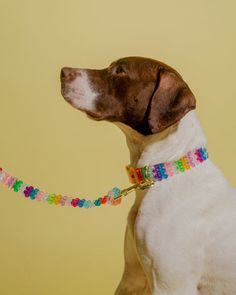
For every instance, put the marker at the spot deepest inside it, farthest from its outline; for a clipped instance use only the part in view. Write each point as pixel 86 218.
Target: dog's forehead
pixel 142 64
pixel 134 60
pixel 137 66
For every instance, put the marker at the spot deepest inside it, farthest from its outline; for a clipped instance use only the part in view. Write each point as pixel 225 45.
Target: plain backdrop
pixel 44 141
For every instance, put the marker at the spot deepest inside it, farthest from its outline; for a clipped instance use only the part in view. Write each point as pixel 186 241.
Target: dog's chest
pixel 168 204
pixel 167 221
pixel 177 229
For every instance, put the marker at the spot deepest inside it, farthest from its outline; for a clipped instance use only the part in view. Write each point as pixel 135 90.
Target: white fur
pixel 181 233
pixel 80 92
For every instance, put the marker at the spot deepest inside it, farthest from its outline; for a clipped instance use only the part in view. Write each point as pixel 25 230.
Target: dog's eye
pixel 119 70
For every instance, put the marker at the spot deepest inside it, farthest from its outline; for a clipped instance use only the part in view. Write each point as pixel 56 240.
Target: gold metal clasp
pixel 140 186
pixel 146 184
pixel 128 190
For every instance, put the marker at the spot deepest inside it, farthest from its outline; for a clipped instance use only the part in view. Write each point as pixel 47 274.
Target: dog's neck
pixel 168 145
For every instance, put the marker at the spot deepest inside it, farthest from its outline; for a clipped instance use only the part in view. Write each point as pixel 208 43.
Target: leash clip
pixel 128 190
pixel 138 186
pixel 146 184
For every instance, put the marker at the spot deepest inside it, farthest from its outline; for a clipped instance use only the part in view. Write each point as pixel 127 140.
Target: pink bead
pixel 74 202
pixel 190 159
pixel 5 178
pixel 198 156
pixel 68 201
pixel 63 201
pixel 11 181
pixel 115 202
pixel 169 169
pixel 39 196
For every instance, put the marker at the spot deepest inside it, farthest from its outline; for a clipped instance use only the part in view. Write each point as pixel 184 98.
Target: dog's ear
pixel 170 102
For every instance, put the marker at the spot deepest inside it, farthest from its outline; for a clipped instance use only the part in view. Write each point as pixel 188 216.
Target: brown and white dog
pixel 180 237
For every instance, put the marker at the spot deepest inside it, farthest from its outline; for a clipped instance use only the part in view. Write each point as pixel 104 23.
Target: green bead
pixel 50 199
pixel 17 185
pixel 179 166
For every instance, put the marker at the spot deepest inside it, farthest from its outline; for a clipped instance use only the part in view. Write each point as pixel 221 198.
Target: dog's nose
pixel 68 74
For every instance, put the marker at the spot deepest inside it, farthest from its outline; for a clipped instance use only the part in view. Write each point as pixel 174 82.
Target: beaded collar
pixel 141 178
pixel 162 171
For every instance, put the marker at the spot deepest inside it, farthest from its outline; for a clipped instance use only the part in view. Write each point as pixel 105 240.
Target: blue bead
pixel 203 153
pixel 33 193
pixel 81 203
pixel 97 202
pixel 162 170
pixel 86 204
pixel 116 191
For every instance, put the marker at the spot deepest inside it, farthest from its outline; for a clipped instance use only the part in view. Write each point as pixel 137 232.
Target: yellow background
pixel 54 250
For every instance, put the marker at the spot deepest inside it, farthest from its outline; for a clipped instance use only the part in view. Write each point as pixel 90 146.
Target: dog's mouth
pixel 91 114
pixel 94 115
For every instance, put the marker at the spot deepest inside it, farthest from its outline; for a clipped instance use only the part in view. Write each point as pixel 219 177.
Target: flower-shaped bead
pixel 104 200
pixel 97 202
pixel 50 199
pixel 185 163
pixel 75 202
pixel 86 204
pixel 81 203
pixel 27 191
pixel 63 201
pixel 169 168
pixel 115 202
pixel 191 159
pixel 68 201
pixel 17 185
pixel 33 193
pixel 57 199
pixel 116 192
pixel 39 196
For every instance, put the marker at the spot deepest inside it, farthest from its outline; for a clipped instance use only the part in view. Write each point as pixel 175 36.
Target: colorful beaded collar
pixel 162 171
pixel 141 178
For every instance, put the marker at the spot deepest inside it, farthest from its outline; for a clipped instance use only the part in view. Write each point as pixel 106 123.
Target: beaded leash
pixel 141 178
pixel 113 197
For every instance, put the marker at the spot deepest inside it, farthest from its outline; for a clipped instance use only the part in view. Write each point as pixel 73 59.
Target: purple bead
pixel 27 191
pixel 156 173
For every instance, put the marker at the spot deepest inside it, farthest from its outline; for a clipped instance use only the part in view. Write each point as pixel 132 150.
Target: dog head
pixel 143 93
